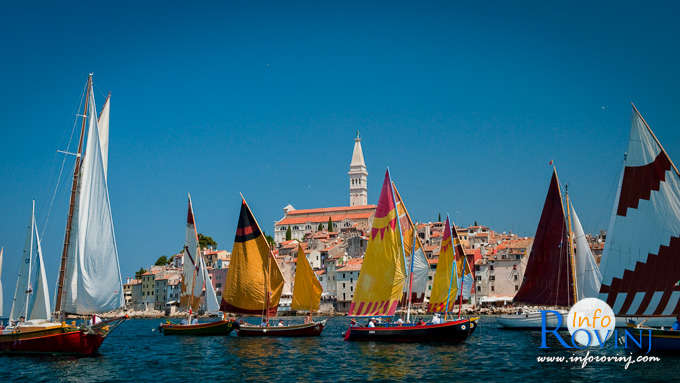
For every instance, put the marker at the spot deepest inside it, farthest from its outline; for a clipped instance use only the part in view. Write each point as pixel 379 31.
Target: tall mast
pixel 29 291
pixel 71 208
pixel 570 241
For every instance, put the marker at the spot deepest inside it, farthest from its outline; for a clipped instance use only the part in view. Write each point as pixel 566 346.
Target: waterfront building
pixel 218 277
pixel 148 290
pixel 498 275
pixel 160 293
pixel 347 276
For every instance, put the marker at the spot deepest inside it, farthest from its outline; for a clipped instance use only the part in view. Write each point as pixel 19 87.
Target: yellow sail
pixel 444 285
pixel 381 279
pixel 253 273
pixel 307 288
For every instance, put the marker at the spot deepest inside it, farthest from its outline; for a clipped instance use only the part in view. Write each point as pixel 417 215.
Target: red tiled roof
pixel 326 210
pixel 323 218
pixel 352 264
pixel 433 260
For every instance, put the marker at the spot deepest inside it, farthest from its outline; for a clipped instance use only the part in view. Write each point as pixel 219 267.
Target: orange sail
pixel 382 276
pixel 307 288
pixel 254 281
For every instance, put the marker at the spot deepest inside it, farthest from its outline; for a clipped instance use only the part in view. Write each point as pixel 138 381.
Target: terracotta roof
pixel 352 264
pixel 326 210
pixel 323 218
pixel 320 272
pixel 433 260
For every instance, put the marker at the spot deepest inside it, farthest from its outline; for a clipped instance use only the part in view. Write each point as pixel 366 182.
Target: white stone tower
pixel 358 188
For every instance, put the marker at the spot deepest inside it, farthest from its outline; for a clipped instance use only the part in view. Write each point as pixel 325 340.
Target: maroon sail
pixel 547 278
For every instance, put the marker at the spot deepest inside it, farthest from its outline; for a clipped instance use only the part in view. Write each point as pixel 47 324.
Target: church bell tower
pixel 358 188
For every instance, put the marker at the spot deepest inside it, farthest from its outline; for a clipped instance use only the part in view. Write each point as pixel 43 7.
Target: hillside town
pixel 334 240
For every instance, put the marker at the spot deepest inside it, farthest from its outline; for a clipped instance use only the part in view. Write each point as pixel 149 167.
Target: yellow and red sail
pixel 254 281
pixel 445 284
pixel 307 288
pixel 381 280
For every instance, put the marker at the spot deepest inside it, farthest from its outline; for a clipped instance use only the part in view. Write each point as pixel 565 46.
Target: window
pixel 343 285
pixel 351 288
pixel 476 267
pixel 492 277
pixel 515 276
pixel 343 275
pixel 479 289
pixel 492 288
pixel 491 267
pixel 516 287
pixel 343 297
pixel 479 278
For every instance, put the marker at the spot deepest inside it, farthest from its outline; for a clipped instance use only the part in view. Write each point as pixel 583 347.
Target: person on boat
pixel 371 323
pixel 195 321
pixel 436 319
pixel 308 318
pixel 353 323
pixel 280 324
pixel 184 322
pixel 421 322
pixel 399 322
pixel 676 325
pixel 265 323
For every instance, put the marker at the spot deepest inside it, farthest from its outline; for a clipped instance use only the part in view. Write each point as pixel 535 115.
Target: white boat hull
pixel 532 320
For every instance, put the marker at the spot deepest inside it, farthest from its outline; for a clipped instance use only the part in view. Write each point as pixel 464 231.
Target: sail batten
pixel 381 280
pixel 254 281
pixel 306 288
pixel 640 272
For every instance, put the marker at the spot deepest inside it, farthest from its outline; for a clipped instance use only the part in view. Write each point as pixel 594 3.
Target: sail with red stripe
pixel 445 282
pixel 382 276
pixel 640 268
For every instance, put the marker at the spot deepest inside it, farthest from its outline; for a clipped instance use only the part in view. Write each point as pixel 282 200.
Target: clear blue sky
pixel 465 105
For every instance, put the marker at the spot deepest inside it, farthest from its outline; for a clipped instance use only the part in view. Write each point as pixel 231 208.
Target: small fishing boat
pixel 382 278
pixel 89 279
pixel 561 268
pixel 254 283
pixel 640 260
pixel 196 282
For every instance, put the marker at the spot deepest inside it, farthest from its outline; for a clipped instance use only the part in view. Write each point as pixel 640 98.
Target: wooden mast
pixel 71 208
pixel 570 240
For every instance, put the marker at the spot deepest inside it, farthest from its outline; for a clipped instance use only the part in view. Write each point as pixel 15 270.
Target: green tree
pixel 205 241
pixel 320 227
pixel 476 223
pixel 138 274
pixel 270 239
pixel 439 217
pixel 330 224
pixel 289 234
pixel 162 261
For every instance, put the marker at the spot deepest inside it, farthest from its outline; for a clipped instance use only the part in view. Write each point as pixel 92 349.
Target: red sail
pixel 547 278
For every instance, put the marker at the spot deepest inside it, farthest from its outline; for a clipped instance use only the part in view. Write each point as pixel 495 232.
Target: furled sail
pixel 253 273
pixel 444 284
pixel 192 275
pixel 588 275
pixel 31 299
pixel 92 281
pixel 639 266
pixel 381 280
pixel 103 124
pixel 420 265
pixel 547 279
pixel 307 288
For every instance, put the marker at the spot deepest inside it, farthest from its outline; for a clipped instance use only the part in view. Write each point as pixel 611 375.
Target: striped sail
pixel 381 280
pixel 254 281
pixel 547 279
pixel 192 275
pixel 640 268
pixel 419 262
pixel 445 284
pixel 306 288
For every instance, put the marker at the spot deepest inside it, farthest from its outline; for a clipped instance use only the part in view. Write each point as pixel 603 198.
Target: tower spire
pixel 358 188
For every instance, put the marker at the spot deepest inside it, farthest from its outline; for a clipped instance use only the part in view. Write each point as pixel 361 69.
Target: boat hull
pixel 661 340
pixel 531 320
pixel 473 324
pixel 217 328
pixel 448 332
pixel 52 341
pixel 307 329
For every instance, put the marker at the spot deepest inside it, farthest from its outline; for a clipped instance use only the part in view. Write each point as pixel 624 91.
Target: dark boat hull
pixel 217 328
pixel 308 329
pixel 56 341
pixel 448 332
pixel 662 340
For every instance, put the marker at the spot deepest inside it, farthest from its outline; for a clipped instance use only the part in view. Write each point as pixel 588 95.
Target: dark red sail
pixel 547 278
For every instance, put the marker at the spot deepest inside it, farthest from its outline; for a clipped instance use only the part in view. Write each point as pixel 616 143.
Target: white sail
pixel 212 306
pixel 103 124
pixel 588 275
pixel 19 302
pixel 639 264
pixel 92 281
pixel 420 273
pixel 191 289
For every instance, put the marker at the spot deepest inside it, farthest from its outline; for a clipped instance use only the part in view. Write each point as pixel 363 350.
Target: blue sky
pixel 466 105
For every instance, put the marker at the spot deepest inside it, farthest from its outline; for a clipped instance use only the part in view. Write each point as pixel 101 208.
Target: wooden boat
pixel 296 330
pixel 254 282
pixel 561 269
pixel 454 331
pixel 195 282
pixel 661 339
pixel 640 260
pixel 384 274
pixel 222 327
pixel 89 277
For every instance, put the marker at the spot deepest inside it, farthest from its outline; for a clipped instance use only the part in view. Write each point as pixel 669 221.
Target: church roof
pixel 357 154
pixel 327 210
pixel 323 218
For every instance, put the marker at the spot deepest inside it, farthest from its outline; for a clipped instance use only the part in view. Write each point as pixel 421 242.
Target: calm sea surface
pixel 137 352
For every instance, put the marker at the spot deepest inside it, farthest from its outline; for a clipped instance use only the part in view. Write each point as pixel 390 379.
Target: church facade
pixel 359 214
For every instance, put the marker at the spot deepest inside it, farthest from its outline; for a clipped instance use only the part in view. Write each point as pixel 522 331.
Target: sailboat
pixel 254 282
pixel 640 260
pixel 195 280
pixel 381 284
pixel 89 279
pixel 2 313
pixel 561 268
